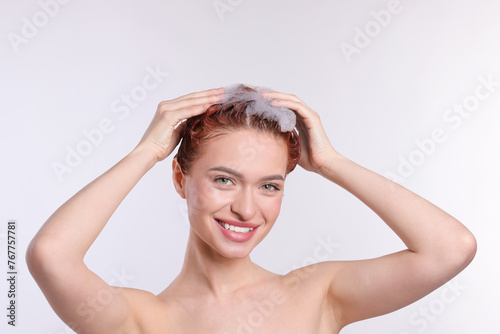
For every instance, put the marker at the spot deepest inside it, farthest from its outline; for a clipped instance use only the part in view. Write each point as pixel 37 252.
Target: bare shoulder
pixel 133 294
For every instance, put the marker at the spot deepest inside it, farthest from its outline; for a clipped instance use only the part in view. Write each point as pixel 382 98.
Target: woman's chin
pixel 234 254
pixel 223 246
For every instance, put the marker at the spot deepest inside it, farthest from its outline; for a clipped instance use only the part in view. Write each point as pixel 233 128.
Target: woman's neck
pixel 205 271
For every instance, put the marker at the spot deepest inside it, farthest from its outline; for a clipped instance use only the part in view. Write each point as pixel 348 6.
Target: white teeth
pixel 235 228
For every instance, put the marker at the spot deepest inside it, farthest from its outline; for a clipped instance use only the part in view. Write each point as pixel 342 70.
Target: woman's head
pixel 233 116
pixel 231 168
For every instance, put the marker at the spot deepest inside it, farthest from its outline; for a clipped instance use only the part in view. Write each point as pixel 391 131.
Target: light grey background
pixel 66 74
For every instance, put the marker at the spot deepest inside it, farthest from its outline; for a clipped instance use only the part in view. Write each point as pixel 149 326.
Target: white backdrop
pixel 408 89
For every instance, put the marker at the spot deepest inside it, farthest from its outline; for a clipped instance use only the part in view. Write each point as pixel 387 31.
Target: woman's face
pixel 234 190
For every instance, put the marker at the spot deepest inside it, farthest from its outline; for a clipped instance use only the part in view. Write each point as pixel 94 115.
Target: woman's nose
pixel 244 204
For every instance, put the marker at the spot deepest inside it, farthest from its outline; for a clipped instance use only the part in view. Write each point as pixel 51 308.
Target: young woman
pixel 231 169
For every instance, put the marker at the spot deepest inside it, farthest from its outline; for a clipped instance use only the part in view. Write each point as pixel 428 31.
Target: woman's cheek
pixel 204 197
pixel 271 207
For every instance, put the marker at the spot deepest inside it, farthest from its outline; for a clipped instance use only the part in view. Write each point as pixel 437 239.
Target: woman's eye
pixel 222 180
pixel 270 187
pixel 226 181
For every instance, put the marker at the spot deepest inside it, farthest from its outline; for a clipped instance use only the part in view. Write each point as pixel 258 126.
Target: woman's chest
pixel 276 311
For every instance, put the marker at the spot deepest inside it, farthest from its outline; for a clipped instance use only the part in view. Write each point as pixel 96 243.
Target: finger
pixel 204 93
pixel 291 102
pixel 300 125
pixel 186 109
pixel 189 111
pixel 208 92
pixel 177 134
pixel 181 125
pixel 195 101
pixel 303 110
pixel 282 96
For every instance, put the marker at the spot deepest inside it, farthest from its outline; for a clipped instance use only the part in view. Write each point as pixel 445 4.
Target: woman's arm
pixel 55 255
pixel 439 246
pixel 71 229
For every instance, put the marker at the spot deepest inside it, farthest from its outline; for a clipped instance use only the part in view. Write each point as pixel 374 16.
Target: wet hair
pixel 259 105
pixel 232 115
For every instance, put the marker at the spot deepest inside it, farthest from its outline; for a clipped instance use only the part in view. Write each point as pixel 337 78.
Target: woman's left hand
pixel 316 149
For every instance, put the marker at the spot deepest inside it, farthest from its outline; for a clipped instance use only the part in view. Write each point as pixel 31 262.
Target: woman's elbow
pixel 38 257
pixel 468 246
pixel 453 249
pixel 459 250
pixel 34 257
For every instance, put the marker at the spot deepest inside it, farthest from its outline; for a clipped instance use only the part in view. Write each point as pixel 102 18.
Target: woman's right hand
pixel 162 135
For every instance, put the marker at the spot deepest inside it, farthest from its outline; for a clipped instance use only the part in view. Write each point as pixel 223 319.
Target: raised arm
pixel 439 246
pixel 55 255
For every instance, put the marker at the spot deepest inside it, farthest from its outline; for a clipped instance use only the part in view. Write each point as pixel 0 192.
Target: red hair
pixel 222 118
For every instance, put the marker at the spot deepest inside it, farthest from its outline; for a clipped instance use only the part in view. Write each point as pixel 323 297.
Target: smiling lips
pixel 238 232
pixel 235 228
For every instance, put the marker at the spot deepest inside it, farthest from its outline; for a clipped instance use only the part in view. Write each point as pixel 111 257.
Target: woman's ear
pixel 178 177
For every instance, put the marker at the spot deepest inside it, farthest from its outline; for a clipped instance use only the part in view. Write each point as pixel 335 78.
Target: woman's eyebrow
pixel 240 176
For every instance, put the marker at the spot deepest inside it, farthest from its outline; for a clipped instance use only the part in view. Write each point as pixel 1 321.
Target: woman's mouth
pixel 234 228
pixel 237 233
